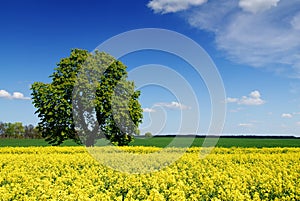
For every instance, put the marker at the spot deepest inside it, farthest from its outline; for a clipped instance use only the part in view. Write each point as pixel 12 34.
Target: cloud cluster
pixel 255 6
pixel 168 105
pixel 172 105
pixel 171 6
pixel 254 98
pixel 258 33
pixel 15 95
pixel 149 110
pixel 286 115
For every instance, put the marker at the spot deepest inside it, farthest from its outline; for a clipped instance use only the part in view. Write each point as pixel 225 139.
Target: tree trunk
pixel 90 141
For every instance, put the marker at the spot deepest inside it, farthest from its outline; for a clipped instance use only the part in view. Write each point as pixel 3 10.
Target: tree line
pixel 18 130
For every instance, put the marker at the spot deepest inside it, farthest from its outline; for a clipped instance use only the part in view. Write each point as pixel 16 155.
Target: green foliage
pixel 17 130
pixel 102 92
pixel 54 101
pixel 148 134
pixel 31 132
pixel 91 92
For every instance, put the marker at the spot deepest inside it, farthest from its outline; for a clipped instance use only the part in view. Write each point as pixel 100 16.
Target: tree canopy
pixel 89 98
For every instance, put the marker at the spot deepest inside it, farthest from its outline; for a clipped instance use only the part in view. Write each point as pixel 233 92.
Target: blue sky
pixel 255 46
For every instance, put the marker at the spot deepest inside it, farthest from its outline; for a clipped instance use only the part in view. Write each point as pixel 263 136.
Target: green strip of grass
pixel 30 143
pixel 222 142
pixel 250 142
pixel 165 141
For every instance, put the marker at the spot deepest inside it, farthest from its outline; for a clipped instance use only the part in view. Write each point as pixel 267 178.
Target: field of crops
pixel 71 173
pixel 164 141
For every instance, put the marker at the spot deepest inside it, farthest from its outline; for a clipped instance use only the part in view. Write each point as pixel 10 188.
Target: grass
pixel 164 141
pixel 30 143
pixel 222 142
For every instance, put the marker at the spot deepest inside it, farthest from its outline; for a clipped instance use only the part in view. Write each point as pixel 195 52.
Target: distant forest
pixel 228 136
pixel 18 130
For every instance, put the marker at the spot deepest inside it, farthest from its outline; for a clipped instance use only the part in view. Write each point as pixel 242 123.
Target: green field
pixel 222 142
pixel 29 143
pixel 164 141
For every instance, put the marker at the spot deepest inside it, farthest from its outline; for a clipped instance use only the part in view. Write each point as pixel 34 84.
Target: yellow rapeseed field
pixel 71 173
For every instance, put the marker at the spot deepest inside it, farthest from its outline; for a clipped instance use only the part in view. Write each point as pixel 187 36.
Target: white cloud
pixel 298 123
pixel 255 94
pixel 295 22
pixel 172 6
pixel 232 100
pixel 18 95
pixel 149 110
pixel 245 125
pixel 254 98
pixel 255 6
pixel 236 110
pixel 266 37
pixel 172 105
pixel 15 95
pixel 286 115
pixel 4 94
